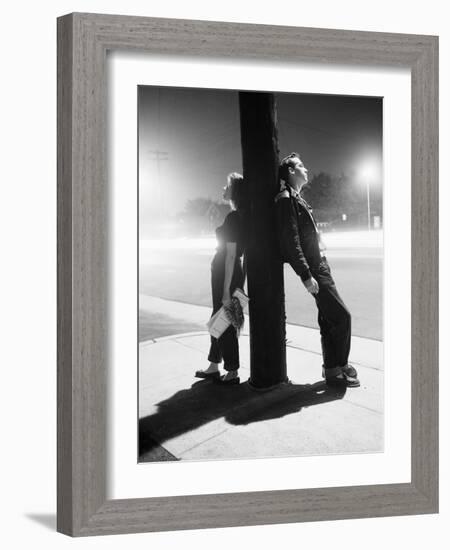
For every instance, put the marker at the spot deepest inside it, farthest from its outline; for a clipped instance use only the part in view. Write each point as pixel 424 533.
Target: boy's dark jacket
pixel 298 235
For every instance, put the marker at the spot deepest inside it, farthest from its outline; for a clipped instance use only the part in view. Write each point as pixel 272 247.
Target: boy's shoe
pixel 342 376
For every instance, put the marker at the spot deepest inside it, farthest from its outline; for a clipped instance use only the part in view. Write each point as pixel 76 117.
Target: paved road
pixel 183 275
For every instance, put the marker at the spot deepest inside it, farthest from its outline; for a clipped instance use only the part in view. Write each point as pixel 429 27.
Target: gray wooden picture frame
pixel 83 40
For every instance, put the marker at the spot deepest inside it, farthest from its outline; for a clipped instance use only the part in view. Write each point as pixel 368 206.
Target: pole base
pixel 258 389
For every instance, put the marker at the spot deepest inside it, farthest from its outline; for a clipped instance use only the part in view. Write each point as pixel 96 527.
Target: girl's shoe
pixel 229 381
pixel 214 375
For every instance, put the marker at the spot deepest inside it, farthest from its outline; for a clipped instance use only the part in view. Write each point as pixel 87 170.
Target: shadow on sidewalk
pixel 206 401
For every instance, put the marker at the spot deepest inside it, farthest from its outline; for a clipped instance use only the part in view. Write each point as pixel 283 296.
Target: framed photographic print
pixel 188 139
pixel 247 274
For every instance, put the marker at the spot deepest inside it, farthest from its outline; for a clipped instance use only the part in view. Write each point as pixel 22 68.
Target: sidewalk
pixel 194 419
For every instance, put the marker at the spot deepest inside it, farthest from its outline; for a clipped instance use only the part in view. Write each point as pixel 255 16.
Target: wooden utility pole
pixel 259 141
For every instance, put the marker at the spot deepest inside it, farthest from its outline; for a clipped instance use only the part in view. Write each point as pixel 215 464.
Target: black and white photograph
pixel 223 220
pixel 260 234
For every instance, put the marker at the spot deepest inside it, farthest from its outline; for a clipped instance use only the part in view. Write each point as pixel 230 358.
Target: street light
pixel 367 173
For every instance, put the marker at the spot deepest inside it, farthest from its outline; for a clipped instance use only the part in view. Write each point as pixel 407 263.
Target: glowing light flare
pixel 369 171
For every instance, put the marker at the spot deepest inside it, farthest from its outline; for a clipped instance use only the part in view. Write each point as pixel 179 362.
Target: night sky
pixel 197 133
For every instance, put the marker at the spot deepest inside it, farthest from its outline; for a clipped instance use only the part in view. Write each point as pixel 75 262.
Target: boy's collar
pixel 293 192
